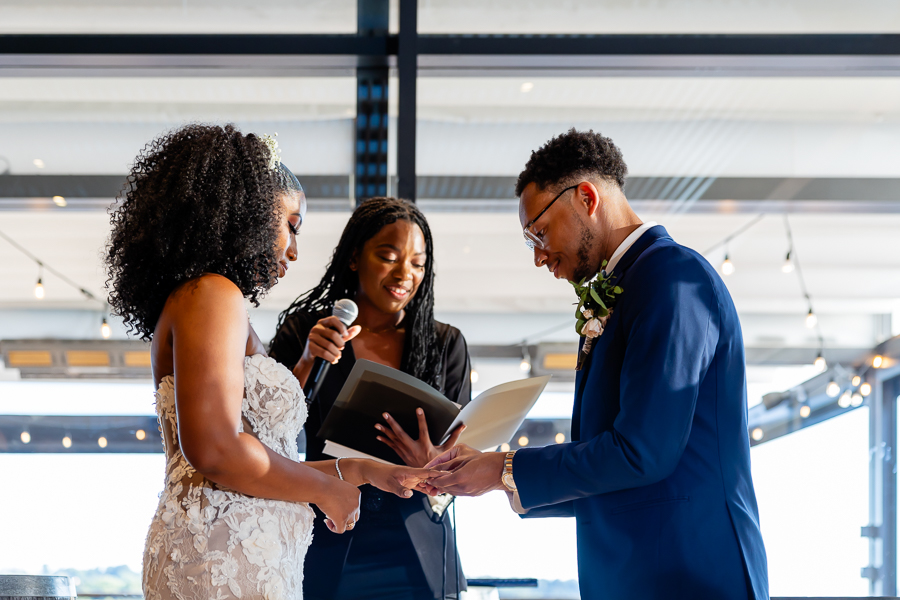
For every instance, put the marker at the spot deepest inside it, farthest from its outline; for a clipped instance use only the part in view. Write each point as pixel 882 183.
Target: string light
pixel 757 434
pixel 788 266
pixel 865 389
pixel 67 442
pixel 525 365
pixel 140 434
pixel 504 447
pixel 855 381
pixel 878 361
pixel 25 437
pixel 59 201
pixel 39 287
pixel 856 400
pixel 844 400
pixel 523 441
pixel 560 438
pixel 811 319
pixel 106 331
pixel 820 363
pixel 102 442
pixel 473 376
pixel 833 389
pixel 727 266
pixel 804 411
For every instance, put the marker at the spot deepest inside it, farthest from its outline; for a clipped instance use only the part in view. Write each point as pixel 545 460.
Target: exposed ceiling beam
pixel 657 194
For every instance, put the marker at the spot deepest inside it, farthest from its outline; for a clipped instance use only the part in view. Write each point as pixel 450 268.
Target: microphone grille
pixel 345 310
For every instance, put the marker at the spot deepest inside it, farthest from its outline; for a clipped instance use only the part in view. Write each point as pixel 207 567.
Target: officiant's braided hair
pixel 199 199
pixel 421 352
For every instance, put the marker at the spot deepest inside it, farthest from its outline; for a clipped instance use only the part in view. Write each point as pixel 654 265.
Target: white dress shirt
pixel 628 243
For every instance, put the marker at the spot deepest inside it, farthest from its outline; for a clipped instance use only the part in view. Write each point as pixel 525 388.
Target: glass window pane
pixel 194 16
pixel 812 490
pixel 667 16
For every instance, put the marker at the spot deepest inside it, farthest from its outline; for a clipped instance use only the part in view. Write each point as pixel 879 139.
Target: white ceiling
pixel 851 263
pixel 452 16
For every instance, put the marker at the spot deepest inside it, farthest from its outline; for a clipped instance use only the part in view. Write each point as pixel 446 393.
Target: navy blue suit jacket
pixel 658 472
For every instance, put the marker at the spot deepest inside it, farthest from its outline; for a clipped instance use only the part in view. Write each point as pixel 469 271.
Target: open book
pixel 372 389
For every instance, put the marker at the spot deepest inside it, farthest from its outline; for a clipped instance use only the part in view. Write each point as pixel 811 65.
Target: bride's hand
pixel 341 506
pixel 418 452
pixel 397 479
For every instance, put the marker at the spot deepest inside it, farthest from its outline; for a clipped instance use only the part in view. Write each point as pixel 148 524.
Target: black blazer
pixel 428 533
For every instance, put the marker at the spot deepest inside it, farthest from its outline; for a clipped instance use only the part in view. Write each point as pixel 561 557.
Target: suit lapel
pixel 645 241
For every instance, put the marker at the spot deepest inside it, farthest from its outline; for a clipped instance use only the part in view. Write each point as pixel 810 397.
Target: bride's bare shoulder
pixel 209 296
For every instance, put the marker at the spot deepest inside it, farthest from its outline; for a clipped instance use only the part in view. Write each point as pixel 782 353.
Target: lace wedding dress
pixel 207 542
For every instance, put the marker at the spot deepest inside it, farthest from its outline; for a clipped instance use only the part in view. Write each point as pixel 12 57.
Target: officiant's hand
pixel 327 339
pixel 418 452
pixel 472 473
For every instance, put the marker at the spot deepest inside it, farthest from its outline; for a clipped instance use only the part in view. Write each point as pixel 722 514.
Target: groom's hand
pixel 472 474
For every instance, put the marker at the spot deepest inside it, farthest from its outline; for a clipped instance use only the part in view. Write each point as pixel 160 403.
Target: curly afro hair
pixel 570 155
pixel 199 199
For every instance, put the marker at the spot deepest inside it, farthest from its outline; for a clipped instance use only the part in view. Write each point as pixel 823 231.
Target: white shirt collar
pixel 627 243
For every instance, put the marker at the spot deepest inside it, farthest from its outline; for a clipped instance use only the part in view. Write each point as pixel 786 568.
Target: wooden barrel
pixel 35 587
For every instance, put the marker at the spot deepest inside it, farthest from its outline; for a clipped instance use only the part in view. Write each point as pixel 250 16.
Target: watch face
pixel 508 481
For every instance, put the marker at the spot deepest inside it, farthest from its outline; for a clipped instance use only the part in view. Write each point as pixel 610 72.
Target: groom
pixel 657 474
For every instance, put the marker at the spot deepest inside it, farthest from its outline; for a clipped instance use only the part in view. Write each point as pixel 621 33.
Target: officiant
pixel 384 261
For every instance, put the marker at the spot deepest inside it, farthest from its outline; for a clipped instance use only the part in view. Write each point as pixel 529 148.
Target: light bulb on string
pixel 788 266
pixel 105 329
pixel 25 437
pixel 805 410
pixel 855 381
pixel 39 286
pixel 878 361
pixel 856 400
pixel 820 363
pixel 865 389
pixel 67 442
pixel 833 389
pixel 811 318
pixel 844 400
pixel 525 365
pixel 727 266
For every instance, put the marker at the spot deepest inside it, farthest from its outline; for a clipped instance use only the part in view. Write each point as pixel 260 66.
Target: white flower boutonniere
pixel 596 298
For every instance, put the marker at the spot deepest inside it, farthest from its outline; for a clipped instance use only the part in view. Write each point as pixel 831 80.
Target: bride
pixel 210 218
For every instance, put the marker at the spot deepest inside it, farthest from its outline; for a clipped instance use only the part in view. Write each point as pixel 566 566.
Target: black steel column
pixel 407 64
pixel 371 139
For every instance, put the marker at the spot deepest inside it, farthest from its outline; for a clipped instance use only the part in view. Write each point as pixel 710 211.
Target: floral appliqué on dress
pixel 207 542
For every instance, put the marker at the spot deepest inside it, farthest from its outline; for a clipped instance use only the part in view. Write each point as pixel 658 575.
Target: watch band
pixel 507 477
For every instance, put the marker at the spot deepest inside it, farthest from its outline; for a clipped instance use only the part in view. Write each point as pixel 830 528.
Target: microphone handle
pixel 316 377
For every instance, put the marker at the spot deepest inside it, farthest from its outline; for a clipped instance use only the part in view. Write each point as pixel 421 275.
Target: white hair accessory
pixel 272 144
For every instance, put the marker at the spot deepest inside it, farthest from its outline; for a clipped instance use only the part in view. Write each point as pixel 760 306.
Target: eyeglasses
pixel 534 240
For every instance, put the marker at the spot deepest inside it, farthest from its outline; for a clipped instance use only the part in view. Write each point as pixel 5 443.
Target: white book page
pixel 340 451
pixel 496 414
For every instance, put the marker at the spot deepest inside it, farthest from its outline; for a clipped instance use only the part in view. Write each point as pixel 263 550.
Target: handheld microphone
pixel 346 311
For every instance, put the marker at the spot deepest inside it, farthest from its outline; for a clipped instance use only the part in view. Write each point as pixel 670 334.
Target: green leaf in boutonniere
pixel 596 299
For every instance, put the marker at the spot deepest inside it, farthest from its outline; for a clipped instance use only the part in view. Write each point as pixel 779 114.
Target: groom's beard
pixel 585 268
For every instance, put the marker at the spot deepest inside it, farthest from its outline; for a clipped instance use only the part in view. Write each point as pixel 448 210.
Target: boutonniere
pixel 596 299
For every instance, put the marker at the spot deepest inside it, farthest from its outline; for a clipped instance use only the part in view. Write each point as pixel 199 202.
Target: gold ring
pixel 350 525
